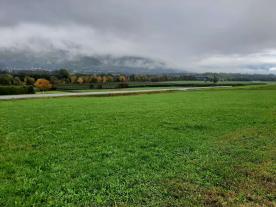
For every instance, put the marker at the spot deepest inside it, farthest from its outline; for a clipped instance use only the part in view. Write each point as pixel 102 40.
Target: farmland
pixel 200 148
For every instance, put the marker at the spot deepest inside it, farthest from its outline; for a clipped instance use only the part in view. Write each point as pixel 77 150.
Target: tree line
pixel 63 76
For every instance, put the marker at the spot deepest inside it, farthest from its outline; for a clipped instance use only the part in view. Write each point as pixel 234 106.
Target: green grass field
pixel 198 148
pixel 122 89
pixel 105 90
pixel 76 88
pixel 150 88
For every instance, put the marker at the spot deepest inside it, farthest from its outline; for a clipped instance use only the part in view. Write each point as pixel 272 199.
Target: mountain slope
pixel 52 60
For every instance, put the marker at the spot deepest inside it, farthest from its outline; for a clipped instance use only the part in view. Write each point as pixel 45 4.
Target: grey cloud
pixel 184 32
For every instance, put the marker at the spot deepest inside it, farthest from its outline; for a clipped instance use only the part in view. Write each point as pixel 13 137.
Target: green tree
pixel 215 78
pixel 16 81
pixel 54 80
pixel 63 74
pixel 6 79
pixel 29 80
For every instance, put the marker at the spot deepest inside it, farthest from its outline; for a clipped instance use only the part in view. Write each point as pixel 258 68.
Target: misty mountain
pixel 55 59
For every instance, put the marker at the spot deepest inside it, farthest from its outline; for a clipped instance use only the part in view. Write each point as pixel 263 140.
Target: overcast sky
pixel 199 35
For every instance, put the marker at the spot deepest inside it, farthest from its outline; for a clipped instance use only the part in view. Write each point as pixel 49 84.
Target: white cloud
pixel 73 38
pixel 261 62
pixel 273 69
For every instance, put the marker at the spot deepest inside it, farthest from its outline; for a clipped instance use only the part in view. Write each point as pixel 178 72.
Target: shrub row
pixel 13 90
pixel 72 87
pixel 109 85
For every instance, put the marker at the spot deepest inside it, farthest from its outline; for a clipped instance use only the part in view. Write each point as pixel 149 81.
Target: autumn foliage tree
pixel 43 84
pixel 99 79
pixel 109 79
pixel 122 78
pixel 80 80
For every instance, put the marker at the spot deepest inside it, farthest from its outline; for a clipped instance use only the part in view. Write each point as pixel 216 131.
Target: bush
pixel 99 86
pixel 123 85
pixel 13 90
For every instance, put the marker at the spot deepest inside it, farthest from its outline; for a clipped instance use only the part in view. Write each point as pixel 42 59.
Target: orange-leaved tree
pixel 43 84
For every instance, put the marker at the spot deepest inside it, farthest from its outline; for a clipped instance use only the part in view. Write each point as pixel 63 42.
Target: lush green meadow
pixel 105 90
pixel 199 148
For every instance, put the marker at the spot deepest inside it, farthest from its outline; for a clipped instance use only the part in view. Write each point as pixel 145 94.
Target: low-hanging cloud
pixel 210 35
pixel 73 38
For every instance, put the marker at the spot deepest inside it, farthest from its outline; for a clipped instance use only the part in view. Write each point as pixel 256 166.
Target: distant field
pixel 221 82
pixel 116 85
pixel 102 90
pixel 198 148
pixel 51 92
pixel 121 89
pixel 150 85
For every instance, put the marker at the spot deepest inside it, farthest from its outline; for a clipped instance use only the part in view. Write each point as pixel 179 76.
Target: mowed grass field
pixel 200 148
